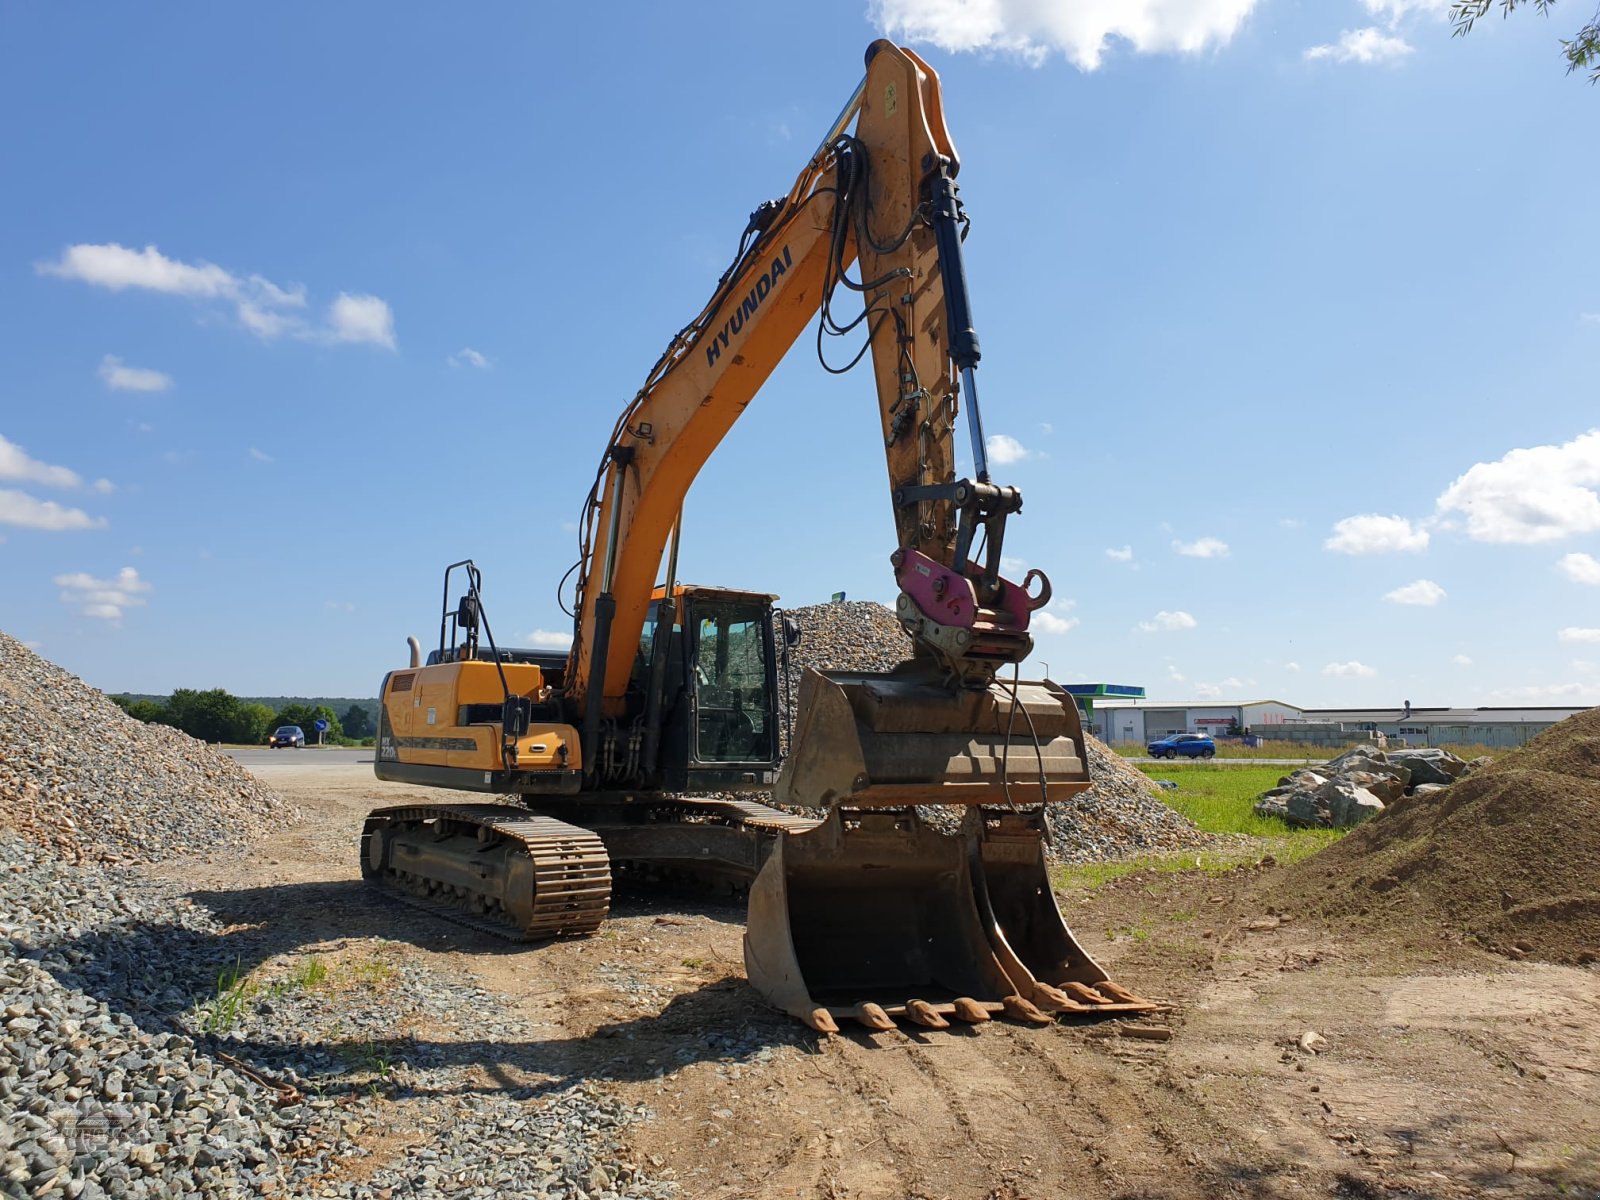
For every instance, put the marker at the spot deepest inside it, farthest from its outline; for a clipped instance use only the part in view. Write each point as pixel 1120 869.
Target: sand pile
pixel 1509 857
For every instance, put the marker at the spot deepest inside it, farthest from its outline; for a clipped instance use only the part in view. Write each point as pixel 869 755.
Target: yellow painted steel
pixel 424 717
pixel 677 420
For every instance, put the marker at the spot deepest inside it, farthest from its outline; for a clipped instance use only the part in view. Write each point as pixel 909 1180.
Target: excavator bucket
pixel 876 917
pixel 905 738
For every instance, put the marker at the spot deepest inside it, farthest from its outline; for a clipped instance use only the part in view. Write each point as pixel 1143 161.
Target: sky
pixel 1290 325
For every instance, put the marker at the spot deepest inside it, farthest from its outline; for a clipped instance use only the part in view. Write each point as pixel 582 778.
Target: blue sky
pixel 1289 320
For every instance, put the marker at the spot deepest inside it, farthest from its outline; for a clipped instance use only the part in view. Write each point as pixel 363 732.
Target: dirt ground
pixel 1438 1070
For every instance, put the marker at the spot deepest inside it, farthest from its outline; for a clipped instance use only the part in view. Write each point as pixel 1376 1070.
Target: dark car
pixel 1189 745
pixel 287 735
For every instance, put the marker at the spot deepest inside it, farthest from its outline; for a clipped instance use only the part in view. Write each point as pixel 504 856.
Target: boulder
pixel 1385 786
pixel 1429 765
pixel 1335 765
pixel 1304 777
pixel 1348 803
pixel 1476 764
pixel 1367 764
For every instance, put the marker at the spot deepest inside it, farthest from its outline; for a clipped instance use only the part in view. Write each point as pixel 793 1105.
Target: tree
pixel 1582 52
pixel 356 723
pixel 211 716
pixel 151 712
pixel 255 722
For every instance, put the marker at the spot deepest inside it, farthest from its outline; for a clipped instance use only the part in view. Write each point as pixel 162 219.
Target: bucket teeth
pixel 1117 992
pixel 1052 999
pixel 1019 1009
pixel 968 1009
pixel 1085 994
pixel 821 1020
pixel 873 1017
pixel 920 1012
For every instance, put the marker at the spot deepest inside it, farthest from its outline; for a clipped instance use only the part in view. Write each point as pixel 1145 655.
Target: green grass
pixel 1218 800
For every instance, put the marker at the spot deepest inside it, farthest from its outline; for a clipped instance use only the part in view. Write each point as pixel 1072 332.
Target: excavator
pixel 652 749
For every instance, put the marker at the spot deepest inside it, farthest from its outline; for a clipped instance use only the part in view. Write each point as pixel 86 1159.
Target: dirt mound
pixel 1509 856
pixel 83 779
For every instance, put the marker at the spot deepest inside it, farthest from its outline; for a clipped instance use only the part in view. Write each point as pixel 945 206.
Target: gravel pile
pixel 94 1102
pixel 83 779
pixel 127 1068
pixel 1121 814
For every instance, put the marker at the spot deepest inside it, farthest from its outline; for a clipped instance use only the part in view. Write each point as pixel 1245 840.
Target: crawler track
pixel 497 868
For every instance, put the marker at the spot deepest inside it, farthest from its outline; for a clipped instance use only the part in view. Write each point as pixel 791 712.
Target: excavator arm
pixel 885 194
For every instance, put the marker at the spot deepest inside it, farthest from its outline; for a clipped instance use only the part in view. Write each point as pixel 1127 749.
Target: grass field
pixel 1218 800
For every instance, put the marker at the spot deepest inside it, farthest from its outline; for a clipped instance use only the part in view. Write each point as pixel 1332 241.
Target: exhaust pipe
pixel 416 652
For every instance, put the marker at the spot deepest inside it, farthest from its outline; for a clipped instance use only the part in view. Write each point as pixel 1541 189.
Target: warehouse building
pixel 1121 721
pixel 1144 722
pixel 1495 727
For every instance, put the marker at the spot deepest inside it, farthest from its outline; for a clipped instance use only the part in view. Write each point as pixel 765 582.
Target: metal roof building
pixel 1503 727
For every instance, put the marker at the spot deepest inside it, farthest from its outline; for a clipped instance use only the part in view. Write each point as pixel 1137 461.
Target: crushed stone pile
pixel 1120 815
pixel 82 779
pixel 1508 857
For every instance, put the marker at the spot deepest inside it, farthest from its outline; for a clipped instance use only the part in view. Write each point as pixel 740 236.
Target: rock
pixel 1429 765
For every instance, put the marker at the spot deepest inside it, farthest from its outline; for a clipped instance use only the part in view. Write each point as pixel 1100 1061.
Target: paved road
pixel 1237 762
pixel 312 756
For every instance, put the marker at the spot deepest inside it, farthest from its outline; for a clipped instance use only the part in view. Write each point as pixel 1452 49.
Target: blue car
pixel 1188 745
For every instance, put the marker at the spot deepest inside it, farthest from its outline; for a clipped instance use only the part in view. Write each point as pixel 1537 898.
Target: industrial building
pixel 1496 727
pixel 1114 721
pixel 1118 720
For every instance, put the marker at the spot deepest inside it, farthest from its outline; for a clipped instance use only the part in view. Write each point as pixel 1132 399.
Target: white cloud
pixel 260 455
pixel 549 639
pixel 1123 555
pixel 1573 633
pixel 264 308
pixel 1292 667
pixel 19 508
pixel 361 319
pixel 1013 566
pixel 1350 670
pixel 116 267
pixel 15 464
pixel 1234 682
pixel 1461 660
pixel 1424 593
pixel 104 486
pixel 120 378
pixel 1046 428
pixel 1167 622
pixel 1206 691
pixel 1174 674
pixel 1005 450
pixel 1206 547
pixel 1393 11
pixel 103 599
pixel 1048 622
pixel 1539 494
pixel 1079 29
pixel 339 605
pixel 468 357
pixel 1290 522
pixel 1373 534
pixel 1369 45
pixel 1580 568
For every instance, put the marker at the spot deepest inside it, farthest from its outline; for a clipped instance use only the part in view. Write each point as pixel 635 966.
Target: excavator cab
pixel 719 688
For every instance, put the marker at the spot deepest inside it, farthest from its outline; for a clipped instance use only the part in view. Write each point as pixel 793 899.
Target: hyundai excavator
pixel 646 751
